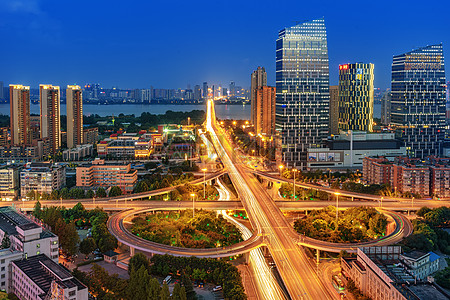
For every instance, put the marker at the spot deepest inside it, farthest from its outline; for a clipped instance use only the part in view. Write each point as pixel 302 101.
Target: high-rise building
pixel 225 92
pixel 205 90
pixel 302 86
pixel 418 100
pixel 334 109
pixel 74 102
pixel 2 92
pixel 264 111
pixel 356 97
pixel 20 114
pixel 232 88
pixel 50 115
pixel 386 107
pixel 197 92
pixel 3 136
pixel 258 79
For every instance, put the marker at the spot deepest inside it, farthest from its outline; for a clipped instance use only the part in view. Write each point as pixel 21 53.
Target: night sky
pixel 169 44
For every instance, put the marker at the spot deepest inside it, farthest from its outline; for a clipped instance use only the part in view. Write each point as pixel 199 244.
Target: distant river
pixel 238 112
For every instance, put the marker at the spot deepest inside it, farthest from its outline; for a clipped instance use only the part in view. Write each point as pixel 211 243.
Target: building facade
pixel 356 97
pixel 78 153
pixel 39 277
pixel 334 109
pixel 418 100
pixel 428 177
pixel 90 136
pixel 19 96
pixel 258 79
pixel 104 174
pixel 74 103
pixel 264 111
pixel 302 90
pixel 386 108
pixel 27 238
pixel 347 150
pixel 50 115
pixel 9 183
pixel 380 274
pixel 42 177
pixel 4 136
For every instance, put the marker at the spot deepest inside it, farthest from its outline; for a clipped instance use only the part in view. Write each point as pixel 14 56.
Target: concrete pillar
pixel 247 257
pixel 318 256
pixel 131 251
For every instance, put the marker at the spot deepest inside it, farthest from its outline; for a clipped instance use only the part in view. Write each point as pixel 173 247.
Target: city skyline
pixel 127 54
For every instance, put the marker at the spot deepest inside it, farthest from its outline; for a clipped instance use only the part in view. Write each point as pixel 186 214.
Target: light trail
pixel 266 282
pixel 291 262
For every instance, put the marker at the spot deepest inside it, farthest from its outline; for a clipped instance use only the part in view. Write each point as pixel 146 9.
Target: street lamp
pixel 381 203
pixel 281 168
pixel 337 207
pixel 193 205
pixel 204 182
pixel 295 175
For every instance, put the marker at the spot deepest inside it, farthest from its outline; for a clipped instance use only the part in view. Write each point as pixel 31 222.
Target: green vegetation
pixel 357 294
pixel 443 277
pixel 63 223
pixel 428 235
pixel 211 270
pixel 205 230
pixel 145 121
pixel 355 225
pixel 158 180
pixel 287 191
pixel 140 286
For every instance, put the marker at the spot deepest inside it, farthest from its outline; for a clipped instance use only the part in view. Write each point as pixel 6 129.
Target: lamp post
pixel 281 168
pixel 295 175
pixel 204 182
pixel 381 202
pixel 337 208
pixel 60 202
pixel 193 205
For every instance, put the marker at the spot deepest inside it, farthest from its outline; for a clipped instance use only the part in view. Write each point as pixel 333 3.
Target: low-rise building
pixel 39 277
pixel 27 239
pixel 427 177
pixel 379 273
pixel 99 173
pixel 421 264
pixel 90 135
pixel 128 146
pixel 3 136
pixel 78 153
pixel 9 183
pixel 347 150
pixel 42 177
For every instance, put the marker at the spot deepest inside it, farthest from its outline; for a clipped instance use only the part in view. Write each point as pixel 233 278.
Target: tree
pixel 141 187
pixel 137 261
pixel 165 294
pixel 65 194
pixel 90 194
pixel 137 285
pixel 101 193
pixel 115 191
pixel 37 211
pixel 87 246
pixel 6 242
pixel 422 211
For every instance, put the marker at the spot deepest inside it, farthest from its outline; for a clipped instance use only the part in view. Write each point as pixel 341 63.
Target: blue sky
pixel 169 44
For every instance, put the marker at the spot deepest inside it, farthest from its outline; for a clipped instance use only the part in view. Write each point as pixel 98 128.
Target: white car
pixel 217 288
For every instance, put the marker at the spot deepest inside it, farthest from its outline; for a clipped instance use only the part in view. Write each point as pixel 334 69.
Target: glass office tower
pixel 418 100
pixel 302 90
pixel 356 97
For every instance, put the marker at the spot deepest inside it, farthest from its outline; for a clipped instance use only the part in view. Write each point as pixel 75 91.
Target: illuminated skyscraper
pixel 418 100
pixel 386 107
pixel 258 79
pixel 334 109
pixel 19 96
pixel 50 115
pixel 302 86
pixel 356 97
pixel 74 103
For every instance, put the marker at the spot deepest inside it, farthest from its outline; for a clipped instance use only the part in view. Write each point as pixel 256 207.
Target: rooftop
pixel 10 218
pixel 415 254
pixel 42 271
pixel 422 291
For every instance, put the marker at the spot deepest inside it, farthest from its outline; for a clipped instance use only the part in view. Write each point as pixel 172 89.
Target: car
pixel 217 288
pixel 201 284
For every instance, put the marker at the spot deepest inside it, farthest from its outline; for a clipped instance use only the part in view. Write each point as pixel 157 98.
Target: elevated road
pixel 117 228
pixel 298 275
